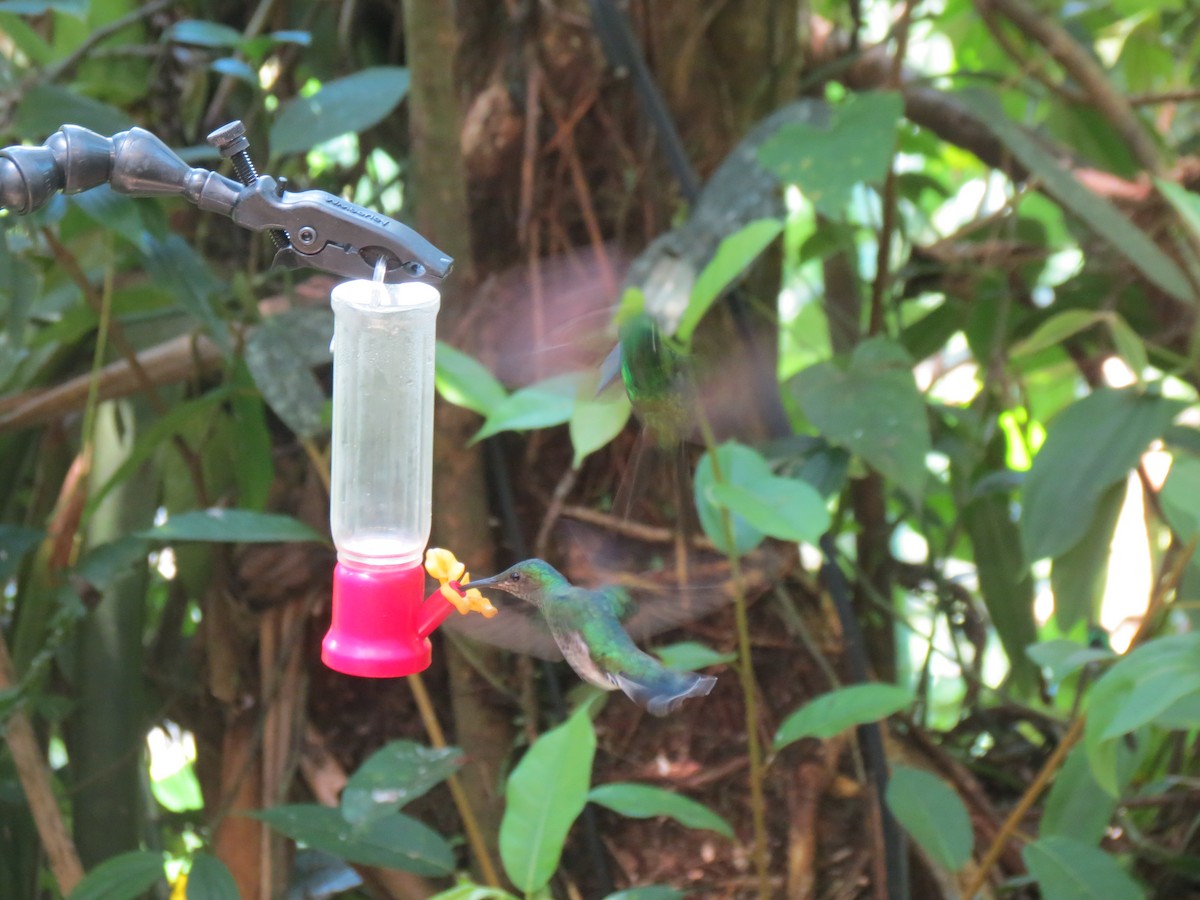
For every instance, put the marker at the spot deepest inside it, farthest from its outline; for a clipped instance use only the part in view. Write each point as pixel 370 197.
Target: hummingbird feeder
pixel 382 451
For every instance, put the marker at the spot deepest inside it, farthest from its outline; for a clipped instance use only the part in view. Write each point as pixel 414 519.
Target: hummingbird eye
pixel 516 576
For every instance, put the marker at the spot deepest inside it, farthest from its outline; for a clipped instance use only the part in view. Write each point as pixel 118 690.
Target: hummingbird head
pixel 526 580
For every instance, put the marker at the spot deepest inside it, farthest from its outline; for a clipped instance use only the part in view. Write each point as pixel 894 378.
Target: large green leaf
pixel 231 526
pixel 541 405
pixel 1089 447
pixel 175 264
pixel 734 255
pixel 203 34
pixel 124 877
pixel 393 776
pixel 596 420
pixel 209 879
pixel 1180 497
pixel 395 842
pixel 933 814
pixel 688 655
pixel 649 892
pixel 854 147
pixel 1089 207
pixel 1157 682
pixel 1062 657
pixel 641 801
pixel 464 381
pixel 46 107
pixel 871 406
pixel 1076 806
pixel 788 509
pixel 1067 869
pixel 349 104
pixel 1004 578
pixel 546 792
pixel 738 465
pixel 1077 578
pixel 846 707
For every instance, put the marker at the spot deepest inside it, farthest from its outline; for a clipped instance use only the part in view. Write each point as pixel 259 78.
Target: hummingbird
pixel 587 627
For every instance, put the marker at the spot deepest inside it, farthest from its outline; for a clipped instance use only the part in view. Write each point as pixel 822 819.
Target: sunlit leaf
pixel 540 405
pixel 231 526
pixel 595 421
pixel 1067 869
pixel 931 811
pixel 855 147
pixel 545 793
pixel 1063 657
pixel 834 712
pixel 1078 577
pixel 350 104
pixel 464 381
pixel 1057 329
pixel 395 842
pixel 735 254
pixel 1089 447
pixel 737 465
pixel 642 801
pixel 784 508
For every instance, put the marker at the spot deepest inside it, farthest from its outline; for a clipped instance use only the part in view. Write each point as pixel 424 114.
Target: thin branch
pixel 1081 66
pixel 67 64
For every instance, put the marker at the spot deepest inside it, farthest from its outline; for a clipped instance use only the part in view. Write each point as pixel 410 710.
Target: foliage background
pixel 979 322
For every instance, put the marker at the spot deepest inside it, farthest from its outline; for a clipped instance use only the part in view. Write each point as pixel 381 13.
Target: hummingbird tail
pixel 664 694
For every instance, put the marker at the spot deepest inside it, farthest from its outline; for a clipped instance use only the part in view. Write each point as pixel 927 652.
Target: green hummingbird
pixel 587 626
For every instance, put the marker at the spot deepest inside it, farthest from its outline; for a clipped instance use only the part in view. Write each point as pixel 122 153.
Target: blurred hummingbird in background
pixel 587 626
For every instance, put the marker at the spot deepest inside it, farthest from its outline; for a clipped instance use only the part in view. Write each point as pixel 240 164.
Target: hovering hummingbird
pixel 587 627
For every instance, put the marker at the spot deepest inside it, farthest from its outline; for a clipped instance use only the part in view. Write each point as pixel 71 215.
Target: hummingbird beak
pixel 492 582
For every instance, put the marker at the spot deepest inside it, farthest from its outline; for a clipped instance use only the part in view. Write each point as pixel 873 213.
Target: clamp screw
pixel 306 235
pixel 231 141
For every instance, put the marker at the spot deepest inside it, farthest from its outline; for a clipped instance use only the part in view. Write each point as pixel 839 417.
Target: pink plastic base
pixel 380 625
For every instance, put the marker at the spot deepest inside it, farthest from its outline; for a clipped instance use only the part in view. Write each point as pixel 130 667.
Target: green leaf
pixel 174 263
pixel 203 34
pixel 468 890
pixel 116 212
pixel 1125 697
pixel 1089 447
pixel 15 542
pixel 1076 806
pixel 1004 578
pixel 350 104
pixel 280 355
pixel 179 791
pixel 871 406
pixel 738 465
pixel 209 879
pixel 854 147
pixel 1066 869
pixel 236 68
pixel 464 381
pixel 393 776
pixel 1057 329
pixel 1129 345
pixel 641 801
pixel 1063 657
pixel 1077 578
pixel 832 713
pixel 1090 208
pixel 931 811
pixel 45 107
pixel 1180 497
pixel 650 892
pixel 688 655
pixel 123 877
pixel 597 420
pixel 231 526
pixel 734 255
pixel 541 405
pixel 77 8
pixel 784 508
pixel 395 842
pixel 546 792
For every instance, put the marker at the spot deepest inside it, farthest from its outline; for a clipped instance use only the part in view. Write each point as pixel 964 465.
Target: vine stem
pixel 745 675
pixel 1000 841
pixel 470 824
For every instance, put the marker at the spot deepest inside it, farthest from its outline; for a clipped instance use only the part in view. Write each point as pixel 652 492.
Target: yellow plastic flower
pixel 442 565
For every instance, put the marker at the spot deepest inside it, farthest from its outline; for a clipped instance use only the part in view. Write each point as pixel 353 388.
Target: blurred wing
pixel 517 627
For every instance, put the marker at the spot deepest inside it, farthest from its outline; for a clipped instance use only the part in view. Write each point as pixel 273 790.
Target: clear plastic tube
pixel 382 466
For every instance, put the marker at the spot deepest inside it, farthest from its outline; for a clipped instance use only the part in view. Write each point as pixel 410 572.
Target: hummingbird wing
pixel 517 627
